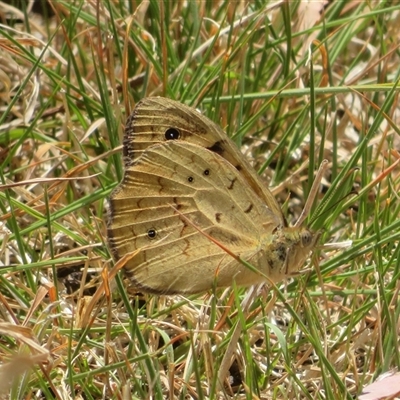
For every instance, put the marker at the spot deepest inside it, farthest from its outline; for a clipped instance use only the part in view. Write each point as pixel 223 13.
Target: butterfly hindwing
pixel 172 200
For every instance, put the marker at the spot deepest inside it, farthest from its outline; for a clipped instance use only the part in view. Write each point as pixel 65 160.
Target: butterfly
pixel 190 208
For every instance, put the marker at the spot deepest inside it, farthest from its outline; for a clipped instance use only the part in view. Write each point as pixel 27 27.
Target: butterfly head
pixel 300 243
pixel 288 249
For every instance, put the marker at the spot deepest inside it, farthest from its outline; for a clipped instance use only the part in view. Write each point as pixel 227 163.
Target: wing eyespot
pixel 206 172
pixel 151 233
pixel 172 134
pixel 190 179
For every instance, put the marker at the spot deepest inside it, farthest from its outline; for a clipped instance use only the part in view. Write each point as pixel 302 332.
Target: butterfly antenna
pixel 328 211
pixel 326 199
pixel 313 193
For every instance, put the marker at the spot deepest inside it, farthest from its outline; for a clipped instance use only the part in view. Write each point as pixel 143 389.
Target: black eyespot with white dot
pixel 190 179
pixel 151 233
pixel 172 134
pixel 206 172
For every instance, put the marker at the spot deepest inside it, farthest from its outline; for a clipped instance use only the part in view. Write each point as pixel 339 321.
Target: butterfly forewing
pixel 157 120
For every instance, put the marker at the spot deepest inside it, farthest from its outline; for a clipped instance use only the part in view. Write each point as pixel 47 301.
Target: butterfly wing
pixel 173 199
pixel 158 120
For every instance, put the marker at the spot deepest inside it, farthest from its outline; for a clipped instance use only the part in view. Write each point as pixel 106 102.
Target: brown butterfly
pixel 192 208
